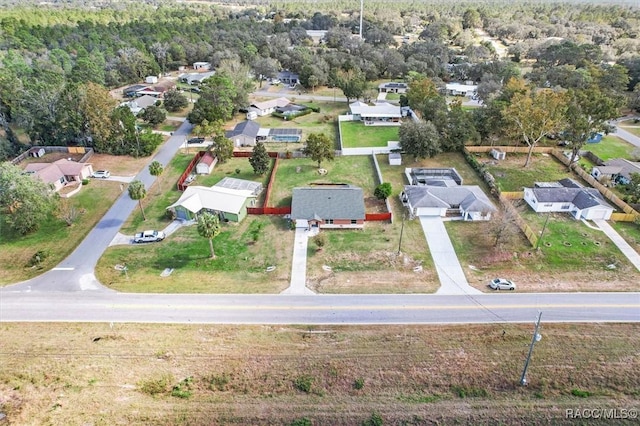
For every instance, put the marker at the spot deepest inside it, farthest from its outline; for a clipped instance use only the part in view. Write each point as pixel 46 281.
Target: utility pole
pixel 544 227
pixel 401 232
pixel 536 338
pixel 361 12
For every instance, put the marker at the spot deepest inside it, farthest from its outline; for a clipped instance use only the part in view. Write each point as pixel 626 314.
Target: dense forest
pixel 58 59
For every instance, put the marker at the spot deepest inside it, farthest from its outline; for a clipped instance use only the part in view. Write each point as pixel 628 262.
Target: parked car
pixel 502 284
pixel 101 174
pixel 148 237
pixel 195 140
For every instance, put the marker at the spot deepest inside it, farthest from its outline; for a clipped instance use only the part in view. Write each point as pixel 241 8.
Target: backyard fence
pixel 513 212
pixel 87 151
pixel 269 210
pixel 194 161
pixel 380 217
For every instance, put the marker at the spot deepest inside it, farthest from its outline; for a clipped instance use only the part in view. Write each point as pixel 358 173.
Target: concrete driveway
pixel 452 278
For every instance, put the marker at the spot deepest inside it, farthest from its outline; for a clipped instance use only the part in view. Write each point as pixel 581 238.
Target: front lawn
pixel 357 135
pixel 54 238
pixel 243 252
pixel 610 147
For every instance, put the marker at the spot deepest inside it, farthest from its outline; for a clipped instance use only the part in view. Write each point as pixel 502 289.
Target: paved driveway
pixel 452 278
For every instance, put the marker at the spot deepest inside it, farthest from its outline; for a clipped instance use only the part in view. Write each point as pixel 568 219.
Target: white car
pixel 102 174
pixel 502 284
pixel 148 237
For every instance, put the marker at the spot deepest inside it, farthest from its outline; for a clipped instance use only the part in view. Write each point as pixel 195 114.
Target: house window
pixel 548 205
pixel 566 206
pixel 354 221
pixel 328 221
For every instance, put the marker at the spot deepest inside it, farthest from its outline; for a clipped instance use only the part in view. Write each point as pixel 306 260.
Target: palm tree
pixel 137 191
pixel 156 169
pixel 209 227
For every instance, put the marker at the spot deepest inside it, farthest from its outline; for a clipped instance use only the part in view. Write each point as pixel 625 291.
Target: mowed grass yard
pixel 610 147
pixel 73 374
pixel 356 135
pixel 54 238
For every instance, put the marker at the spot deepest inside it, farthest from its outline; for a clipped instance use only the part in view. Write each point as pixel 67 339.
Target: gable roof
pixel 467 197
pixel 580 197
pixel 247 128
pixel 196 198
pixel 144 101
pixel 328 202
pixel 272 103
pixel 393 85
pixel 380 109
pixel 51 172
pixel 207 158
pixel 626 167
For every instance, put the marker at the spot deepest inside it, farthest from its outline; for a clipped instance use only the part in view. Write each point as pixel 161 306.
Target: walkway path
pixel 624 247
pixel 298 283
pixel 452 278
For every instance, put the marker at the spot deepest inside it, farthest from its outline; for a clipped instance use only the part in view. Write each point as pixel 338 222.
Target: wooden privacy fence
pixel 380 217
pixel 269 210
pixel 511 210
pixel 87 151
pixel 187 171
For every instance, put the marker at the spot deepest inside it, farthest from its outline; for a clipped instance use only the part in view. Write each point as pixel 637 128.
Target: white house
pixel 379 114
pixel 567 196
pixel 202 66
pixel 268 107
pixel 439 192
pixel 458 89
pixel 393 87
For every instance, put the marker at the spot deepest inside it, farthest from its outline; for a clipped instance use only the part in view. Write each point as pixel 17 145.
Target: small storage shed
pixel 206 164
pixel 498 155
pixel 37 152
pixel 151 79
pixel 395 159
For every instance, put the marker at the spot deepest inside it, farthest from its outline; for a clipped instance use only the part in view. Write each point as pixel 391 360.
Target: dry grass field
pixel 128 374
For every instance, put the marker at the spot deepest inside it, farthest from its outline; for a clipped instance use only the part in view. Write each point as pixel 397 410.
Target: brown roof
pixel 207 159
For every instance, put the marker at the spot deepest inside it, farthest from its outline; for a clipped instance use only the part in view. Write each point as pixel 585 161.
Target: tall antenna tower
pixel 361 12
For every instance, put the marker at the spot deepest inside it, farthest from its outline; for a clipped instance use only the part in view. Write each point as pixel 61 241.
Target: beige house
pixel 60 172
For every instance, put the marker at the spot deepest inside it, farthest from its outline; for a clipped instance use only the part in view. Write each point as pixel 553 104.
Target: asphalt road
pixel 317 309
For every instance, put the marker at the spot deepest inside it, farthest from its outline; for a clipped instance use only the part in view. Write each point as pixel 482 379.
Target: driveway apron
pixel 452 278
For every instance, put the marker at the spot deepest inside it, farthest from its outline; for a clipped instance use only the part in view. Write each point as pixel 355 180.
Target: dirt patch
pixel 118 165
pixel 373 205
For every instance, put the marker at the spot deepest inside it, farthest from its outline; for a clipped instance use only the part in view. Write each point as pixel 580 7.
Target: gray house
pixel 617 170
pixel 244 134
pixel 328 206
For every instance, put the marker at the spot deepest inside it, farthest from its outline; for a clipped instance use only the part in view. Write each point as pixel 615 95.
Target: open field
pixel 356 135
pixel 130 374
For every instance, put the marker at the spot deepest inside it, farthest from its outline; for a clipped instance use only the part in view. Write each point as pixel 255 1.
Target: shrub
pixel 320 240
pixel 374 420
pixel 38 257
pixel 382 191
pixel 358 383
pixel 304 383
pixel 303 421
pixel 155 386
pixel 580 393
pixel 219 382
pixel 85 181
pixel 182 389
